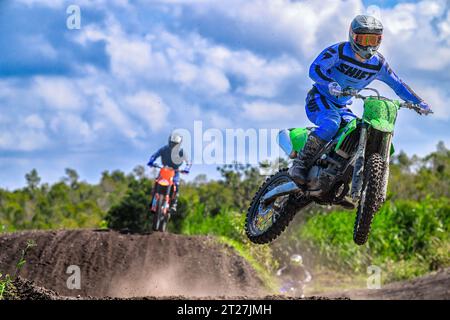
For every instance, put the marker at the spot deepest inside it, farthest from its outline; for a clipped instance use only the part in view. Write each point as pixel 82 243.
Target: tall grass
pixel 408 238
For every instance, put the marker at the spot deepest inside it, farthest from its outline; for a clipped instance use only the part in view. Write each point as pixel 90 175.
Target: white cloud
pixel 264 111
pixel 292 24
pixel 28 140
pixel 444 28
pixel 56 4
pixel 208 80
pixel 117 120
pixel 185 73
pixel 264 77
pixel 131 56
pixel 192 61
pixel 34 121
pixel 212 81
pixel 19 134
pixel 39 46
pixel 149 107
pixel 438 100
pixel 72 127
pixel 261 77
pixel 47 3
pixel 412 40
pixel 58 93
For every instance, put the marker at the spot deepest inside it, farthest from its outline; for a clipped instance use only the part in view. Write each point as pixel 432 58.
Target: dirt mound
pixel 22 289
pixel 117 265
pixel 27 290
pixel 159 266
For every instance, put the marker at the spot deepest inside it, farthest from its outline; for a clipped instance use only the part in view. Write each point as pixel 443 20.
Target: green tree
pixel 139 172
pixel 133 212
pixel 243 181
pixel 72 178
pixel 33 179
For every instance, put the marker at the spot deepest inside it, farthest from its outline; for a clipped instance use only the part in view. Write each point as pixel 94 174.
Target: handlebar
pixel 176 170
pixel 413 106
pixel 407 105
pixel 354 93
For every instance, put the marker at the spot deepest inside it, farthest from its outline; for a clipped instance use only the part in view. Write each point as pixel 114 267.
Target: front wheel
pixel 159 218
pixel 372 197
pixel 264 223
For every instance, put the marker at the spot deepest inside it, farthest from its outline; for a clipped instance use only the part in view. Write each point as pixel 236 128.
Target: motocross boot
pixel 301 164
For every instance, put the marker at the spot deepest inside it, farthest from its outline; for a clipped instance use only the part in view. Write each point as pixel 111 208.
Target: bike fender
pixel 381 125
pixel 381 114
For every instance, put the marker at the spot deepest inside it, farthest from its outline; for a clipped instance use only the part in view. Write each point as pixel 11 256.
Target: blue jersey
pixel 338 63
pixel 171 157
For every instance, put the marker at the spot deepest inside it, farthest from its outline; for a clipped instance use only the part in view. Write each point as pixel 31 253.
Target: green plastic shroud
pixel 380 114
pixel 298 138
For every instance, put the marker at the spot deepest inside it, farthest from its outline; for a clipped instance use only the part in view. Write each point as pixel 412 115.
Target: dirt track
pixel 159 266
pixel 118 265
pixel 433 286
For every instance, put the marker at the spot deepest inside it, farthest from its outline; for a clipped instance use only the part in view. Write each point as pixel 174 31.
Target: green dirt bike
pixel 355 163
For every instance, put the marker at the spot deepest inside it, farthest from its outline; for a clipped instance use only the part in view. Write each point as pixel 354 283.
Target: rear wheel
pixel 265 223
pixel 371 197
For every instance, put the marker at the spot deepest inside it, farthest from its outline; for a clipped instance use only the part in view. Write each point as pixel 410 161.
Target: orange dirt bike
pixel 164 193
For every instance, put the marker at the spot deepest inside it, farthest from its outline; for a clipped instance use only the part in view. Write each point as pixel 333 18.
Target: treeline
pixel 411 230
pixel 69 203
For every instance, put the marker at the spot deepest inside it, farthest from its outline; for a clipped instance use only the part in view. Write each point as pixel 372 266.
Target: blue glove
pixel 150 163
pixel 335 89
pixel 185 171
pixel 425 108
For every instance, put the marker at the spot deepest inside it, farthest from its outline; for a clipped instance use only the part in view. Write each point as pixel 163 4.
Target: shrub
pixel 406 234
pixel 133 212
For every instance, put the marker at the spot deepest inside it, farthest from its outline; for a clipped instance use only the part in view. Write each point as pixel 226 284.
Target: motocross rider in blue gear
pixel 294 277
pixel 172 156
pixel 351 66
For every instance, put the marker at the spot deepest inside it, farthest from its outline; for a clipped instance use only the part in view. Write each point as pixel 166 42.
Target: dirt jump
pixel 123 265
pixel 158 266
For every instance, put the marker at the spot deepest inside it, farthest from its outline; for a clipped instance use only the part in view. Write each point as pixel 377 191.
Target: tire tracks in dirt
pixel 119 265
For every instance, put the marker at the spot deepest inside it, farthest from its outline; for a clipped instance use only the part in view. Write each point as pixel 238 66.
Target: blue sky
pixel 105 96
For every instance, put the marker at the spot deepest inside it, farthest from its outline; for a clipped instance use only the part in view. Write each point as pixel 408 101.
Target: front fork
pixel 386 154
pixel 168 200
pixel 358 171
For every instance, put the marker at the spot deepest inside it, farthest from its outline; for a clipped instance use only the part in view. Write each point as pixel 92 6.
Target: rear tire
pixel 371 198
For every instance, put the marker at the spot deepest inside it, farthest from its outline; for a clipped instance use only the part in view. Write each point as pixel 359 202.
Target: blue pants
pixel 326 115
